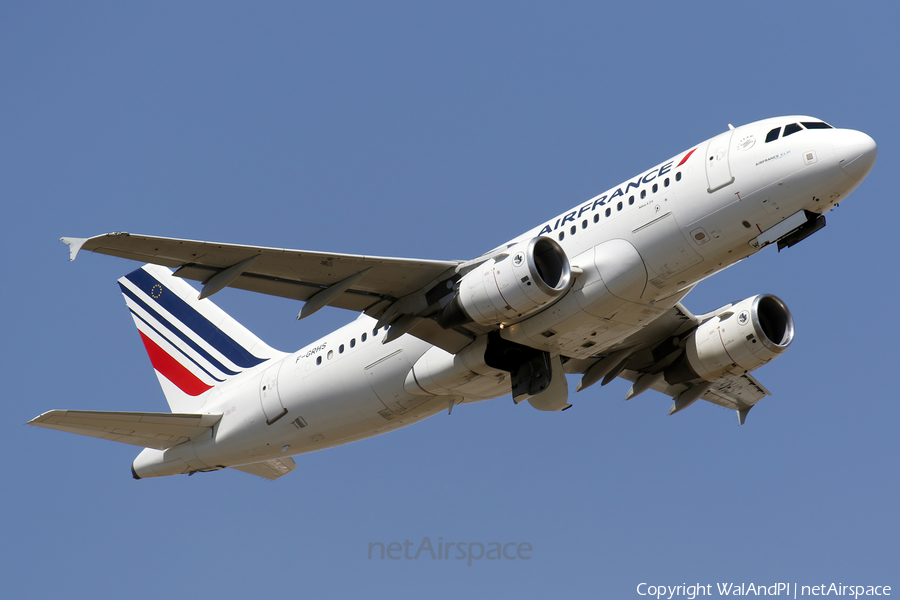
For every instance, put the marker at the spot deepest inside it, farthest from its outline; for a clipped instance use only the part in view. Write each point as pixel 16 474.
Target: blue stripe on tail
pixel 192 319
pixel 174 329
pixel 217 364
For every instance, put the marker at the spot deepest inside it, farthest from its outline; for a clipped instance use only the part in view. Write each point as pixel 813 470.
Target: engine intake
pixel 528 277
pixel 747 336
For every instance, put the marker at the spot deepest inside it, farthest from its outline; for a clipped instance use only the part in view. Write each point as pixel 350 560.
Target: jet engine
pixel 526 278
pixel 743 338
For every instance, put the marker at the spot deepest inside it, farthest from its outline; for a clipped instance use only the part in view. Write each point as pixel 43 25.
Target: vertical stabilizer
pixel 193 344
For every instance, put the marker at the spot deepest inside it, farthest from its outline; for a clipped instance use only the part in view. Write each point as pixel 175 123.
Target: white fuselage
pixel 638 248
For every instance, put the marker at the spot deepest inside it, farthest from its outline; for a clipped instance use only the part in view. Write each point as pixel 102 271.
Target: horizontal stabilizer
pixel 150 430
pixel 269 469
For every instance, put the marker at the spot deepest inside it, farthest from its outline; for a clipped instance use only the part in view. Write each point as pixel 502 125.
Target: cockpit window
pixel 817 125
pixel 792 128
pixel 773 135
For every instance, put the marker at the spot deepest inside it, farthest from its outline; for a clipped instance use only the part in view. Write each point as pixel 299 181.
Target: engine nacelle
pixel 530 276
pixel 744 338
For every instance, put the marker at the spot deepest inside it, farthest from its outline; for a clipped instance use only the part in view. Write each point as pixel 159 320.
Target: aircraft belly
pixel 621 270
pixel 386 376
pixel 328 405
pixel 463 376
pixel 592 336
pixel 587 321
pixel 324 402
pixel 358 397
pixel 360 430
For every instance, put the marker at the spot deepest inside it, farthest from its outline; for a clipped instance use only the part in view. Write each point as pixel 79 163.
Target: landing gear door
pixel 718 169
pixel 269 396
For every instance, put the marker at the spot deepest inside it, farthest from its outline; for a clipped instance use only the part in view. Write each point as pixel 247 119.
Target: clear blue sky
pixel 436 131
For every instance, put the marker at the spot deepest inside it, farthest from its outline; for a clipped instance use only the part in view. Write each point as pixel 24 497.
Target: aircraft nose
pixel 855 152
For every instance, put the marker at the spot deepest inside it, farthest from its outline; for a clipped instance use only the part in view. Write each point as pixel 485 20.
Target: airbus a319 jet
pixel 594 292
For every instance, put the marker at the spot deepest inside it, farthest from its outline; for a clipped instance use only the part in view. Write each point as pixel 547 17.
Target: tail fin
pixel 193 344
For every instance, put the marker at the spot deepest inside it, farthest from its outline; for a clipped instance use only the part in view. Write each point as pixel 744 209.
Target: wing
pixel 643 357
pixel 375 285
pixel 150 430
pixel 736 392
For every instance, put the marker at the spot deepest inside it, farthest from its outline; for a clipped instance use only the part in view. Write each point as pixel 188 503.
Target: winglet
pixel 74 245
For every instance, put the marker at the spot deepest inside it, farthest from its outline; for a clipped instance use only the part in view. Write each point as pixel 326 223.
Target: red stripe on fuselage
pixel 686 156
pixel 173 370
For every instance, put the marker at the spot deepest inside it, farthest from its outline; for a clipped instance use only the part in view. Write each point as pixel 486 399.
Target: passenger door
pixel 718 169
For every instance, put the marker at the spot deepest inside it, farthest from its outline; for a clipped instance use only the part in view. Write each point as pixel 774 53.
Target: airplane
pixel 595 291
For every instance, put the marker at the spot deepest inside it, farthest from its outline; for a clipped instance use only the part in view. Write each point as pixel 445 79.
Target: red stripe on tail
pixel 173 370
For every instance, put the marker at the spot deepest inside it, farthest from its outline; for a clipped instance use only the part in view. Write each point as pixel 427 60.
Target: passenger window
pixel 608 211
pixel 655 187
pixel 596 218
pixel 630 200
pixel 362 338
pixel 792 128
pixel 341 349
pixel 573 229
pixel 562 235
pixel 678 176
pixel 773 135
pixel 353 342
pixel 318 360
pixel 666 182
pixel 375 332
pixel 584 224
pixel 643 194
pixel 330 354
pixel 619 206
